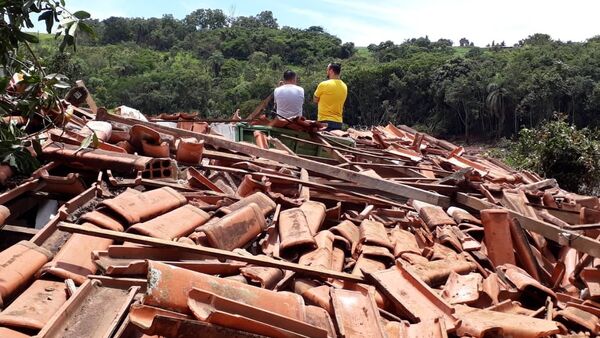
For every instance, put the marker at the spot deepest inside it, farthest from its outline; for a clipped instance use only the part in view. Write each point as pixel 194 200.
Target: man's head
pixel 334 70
pixel 289 77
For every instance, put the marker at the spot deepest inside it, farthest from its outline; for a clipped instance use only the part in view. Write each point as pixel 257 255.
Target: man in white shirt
pixel 289 97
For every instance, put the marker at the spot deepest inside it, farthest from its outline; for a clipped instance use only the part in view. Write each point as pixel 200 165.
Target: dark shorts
pixel 333 125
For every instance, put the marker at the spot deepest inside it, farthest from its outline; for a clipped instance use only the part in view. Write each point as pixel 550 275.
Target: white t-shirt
pixel 289 99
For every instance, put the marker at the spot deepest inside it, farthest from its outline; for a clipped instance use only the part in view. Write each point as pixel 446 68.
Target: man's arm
pixel 317 95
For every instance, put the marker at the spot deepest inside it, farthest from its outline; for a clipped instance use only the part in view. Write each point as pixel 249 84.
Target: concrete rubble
pixel 167 229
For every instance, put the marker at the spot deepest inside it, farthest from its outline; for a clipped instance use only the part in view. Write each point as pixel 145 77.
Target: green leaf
pixel 3 83
pixel 49 24
pixel 87 29
pixel 62 85
pixel 67 41
pixel 45 15
pixel 95 141
pixel 82 15
pixel 37 146
pixel 27 5
pixel 27 37
pixel 85 143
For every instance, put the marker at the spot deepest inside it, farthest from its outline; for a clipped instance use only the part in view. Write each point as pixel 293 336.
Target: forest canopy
pixel 213 63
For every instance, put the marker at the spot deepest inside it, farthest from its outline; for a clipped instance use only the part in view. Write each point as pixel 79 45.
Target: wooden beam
pixel 310 184
pixel 401 191
pixel 562 236
pixel 213 252
pixel 20 230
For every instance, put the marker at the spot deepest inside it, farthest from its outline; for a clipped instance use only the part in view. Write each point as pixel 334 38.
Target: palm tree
pixel 496 102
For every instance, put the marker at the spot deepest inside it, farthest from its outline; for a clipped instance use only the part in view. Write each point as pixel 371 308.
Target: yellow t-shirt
pixel 332 95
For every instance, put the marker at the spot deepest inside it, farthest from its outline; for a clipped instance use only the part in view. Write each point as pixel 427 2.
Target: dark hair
pixel 289 75
pixel 336 67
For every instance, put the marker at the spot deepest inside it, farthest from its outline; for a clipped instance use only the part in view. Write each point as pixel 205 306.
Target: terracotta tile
pixel 189 150
pixel 533 293
pixel 428 329
pixel 236 229
pixel 315 215
pixel 4 214
pixel 93 311
pixel 35 306
pixel 432 215
pixel 378 253
pixel 160 150
pixel 175 223
pixel 404 241
pixel 197 180
pixel 166 326
pixel 102 220
pixel 227 312
pixel 482 323
pixel 8 333
pixel 374 233
pixel 349 231
pixel 266 278
pixel 414 259
pixel 512 307
pixel 591 278
pixel 367 265
pixel 125 145
pixel 467 242
pixel 74 260
pixel 581 317
pixel 99 159
pixel 270 243
pixel 462 216
pixel 168 288
pixel 294 231
pixel 412 297
pixel 314 293
pixel 439 251
pixel 71 184
pixel 337 259
pixel 265 203
pixel 447 237
pixel 462 289
pixel 322 256
pixel 593 309
pixel 238 278
pixel 119 135
pixel 356 314
pixel 260 139
pixel 436 272
pixel 141 207
pixel 143 316
pixel 249 186
pixel 492 288
pixel 320 318
pixel 18 264
pixel 139 133
pixel 497 236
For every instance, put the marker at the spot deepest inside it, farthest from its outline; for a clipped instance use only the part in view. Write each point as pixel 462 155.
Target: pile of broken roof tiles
pixel 162 231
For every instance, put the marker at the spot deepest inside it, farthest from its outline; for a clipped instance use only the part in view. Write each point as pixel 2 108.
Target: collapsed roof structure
pixel 172 228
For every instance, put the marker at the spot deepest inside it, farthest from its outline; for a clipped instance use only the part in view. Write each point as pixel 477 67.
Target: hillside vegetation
pixel 214 64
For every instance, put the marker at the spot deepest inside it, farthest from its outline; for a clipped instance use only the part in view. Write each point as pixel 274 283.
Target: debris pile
pixel 175 231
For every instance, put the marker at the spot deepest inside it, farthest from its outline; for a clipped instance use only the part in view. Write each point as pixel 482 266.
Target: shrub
pixel 559 150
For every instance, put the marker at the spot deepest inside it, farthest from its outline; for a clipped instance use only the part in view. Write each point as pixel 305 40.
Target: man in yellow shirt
pixel 330 97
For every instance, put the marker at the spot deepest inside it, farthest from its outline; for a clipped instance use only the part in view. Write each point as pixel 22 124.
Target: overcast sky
pixel 364 22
